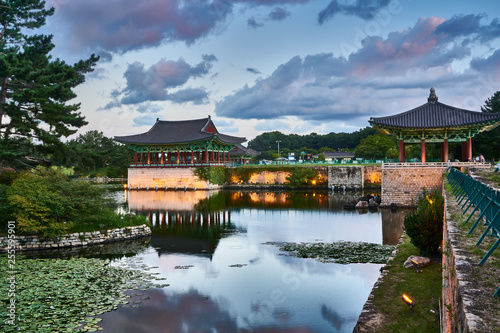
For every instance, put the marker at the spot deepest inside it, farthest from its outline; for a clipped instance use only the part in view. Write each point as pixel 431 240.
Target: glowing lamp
pixel 416 265
pixel 407 299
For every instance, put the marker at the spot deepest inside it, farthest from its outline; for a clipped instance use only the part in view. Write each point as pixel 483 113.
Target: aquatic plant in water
pixel 341 252
pixel 57 295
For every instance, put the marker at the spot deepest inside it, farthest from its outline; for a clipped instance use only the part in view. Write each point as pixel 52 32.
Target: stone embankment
pixel 27 243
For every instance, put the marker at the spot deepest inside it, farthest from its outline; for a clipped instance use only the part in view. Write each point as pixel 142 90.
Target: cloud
pixel 253 70
pixel 119 26
pixel 154 83
pixel 279 14
pixel 193 95
pixel 252 23
pixel 365 9
pixel 326 88
pixel 144 120
pixel 149 108
pixel 275 125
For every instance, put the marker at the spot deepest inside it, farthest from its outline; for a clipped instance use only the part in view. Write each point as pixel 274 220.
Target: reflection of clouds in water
pixel 188 312
pixel 335 319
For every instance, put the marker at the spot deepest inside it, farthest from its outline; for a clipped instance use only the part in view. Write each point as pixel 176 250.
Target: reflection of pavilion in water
pixel 178 225
pixel 194 221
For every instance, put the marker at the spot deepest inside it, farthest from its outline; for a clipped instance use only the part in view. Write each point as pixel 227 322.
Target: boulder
pixel 413 261
pixel 362 204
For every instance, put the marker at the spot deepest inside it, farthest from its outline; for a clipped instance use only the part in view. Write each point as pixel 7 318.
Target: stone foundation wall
pixel 372 175
pixel 26 243
pixel 460 290
pixel 166 177
pixel 269 177
pixel 401 186
pixel 348 176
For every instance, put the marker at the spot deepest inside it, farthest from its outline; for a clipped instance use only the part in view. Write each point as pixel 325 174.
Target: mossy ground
pixel 392 314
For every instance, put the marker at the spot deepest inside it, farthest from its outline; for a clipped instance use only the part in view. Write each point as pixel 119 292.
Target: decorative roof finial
pixel 432 96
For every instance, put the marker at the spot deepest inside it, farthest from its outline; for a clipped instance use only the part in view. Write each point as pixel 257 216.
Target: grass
pixel 424 288
pixel 107 220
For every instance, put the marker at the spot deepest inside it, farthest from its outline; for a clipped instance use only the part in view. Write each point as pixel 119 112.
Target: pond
pixel 217 251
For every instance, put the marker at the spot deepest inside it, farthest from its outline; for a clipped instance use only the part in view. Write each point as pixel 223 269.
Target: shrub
pixel 301 175
pixel 425 225
pixel 214 175
pixel 45 202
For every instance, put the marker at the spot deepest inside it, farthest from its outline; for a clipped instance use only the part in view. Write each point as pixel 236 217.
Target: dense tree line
pixel 93 154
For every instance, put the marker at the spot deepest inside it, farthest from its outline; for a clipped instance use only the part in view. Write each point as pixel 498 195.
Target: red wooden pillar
pixel 422 150
pixel 178 157
pixel 402 158
pixel 465 158
pixel 206 155
pixel 444 151
pixel 469 148
pixel 149 157
pixel 162 157
pixel 192 157
pixel 218 157
pixel 135 158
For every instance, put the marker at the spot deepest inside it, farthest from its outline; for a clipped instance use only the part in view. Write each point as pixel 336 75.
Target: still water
pixel 210 247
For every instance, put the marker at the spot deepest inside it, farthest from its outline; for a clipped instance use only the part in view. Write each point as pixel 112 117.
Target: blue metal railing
pixel 486 201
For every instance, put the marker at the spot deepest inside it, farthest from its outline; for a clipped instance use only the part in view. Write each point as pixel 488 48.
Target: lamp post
pixel 278 141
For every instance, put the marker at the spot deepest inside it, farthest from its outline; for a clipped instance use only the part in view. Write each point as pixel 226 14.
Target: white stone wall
pixel 169 177
pixel 23 243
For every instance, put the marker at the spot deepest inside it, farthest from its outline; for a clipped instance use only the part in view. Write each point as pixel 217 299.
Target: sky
pixel 294 66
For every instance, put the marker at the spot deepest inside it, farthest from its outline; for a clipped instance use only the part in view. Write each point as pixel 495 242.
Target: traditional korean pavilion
pixel 242 155
pixel 436 122
pixel 186 143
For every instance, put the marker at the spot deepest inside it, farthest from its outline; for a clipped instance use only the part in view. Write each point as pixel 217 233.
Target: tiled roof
pixel 435 115
pixel 242 150
pixel 184 131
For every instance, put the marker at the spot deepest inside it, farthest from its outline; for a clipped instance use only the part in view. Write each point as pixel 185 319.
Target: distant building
pixel 436 122
pixel 186 143
pixel 242 155
pixel 336 156
pixel 169 154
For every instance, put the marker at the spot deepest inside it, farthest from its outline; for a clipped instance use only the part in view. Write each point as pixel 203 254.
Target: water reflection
pixel 223 278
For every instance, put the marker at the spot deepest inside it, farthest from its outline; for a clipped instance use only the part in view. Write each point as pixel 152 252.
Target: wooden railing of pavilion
pixel 479 165
pixel 182 164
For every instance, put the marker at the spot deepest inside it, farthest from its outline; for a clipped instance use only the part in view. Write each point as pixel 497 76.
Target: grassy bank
pixel 390 313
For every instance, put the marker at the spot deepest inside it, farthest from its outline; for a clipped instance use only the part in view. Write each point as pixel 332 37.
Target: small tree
pixel 425 225
pixel 44 202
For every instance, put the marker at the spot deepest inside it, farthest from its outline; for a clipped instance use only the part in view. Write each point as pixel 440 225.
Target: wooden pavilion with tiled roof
pixel 241 154
pixel 436 122
pixel 187 143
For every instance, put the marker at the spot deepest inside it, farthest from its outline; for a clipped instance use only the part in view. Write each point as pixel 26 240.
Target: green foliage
pixel 321 157
pixel 242 173
pixel 35 88
pixel 424 288
pixel 57 295
pixel 95 155
pixel 46 203
pixel 377 146
pixel 309 144
pixel 425 225
pixel 300 176
pixel 214 175
pixel 8 177
pixel 488 143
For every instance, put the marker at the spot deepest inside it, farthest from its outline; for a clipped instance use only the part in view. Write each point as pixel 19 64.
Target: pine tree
pixel 488 143
pixel 34 88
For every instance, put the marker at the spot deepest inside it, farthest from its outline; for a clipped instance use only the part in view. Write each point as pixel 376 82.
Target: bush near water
pixel 44 201
pixel 425 225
